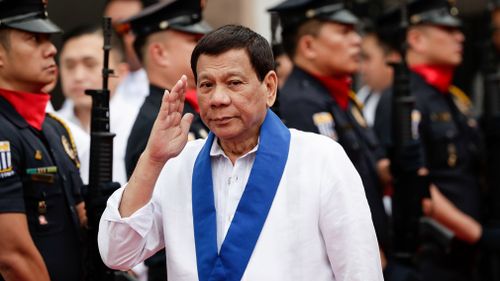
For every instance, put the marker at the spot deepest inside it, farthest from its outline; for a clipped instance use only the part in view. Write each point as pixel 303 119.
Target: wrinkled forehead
pixel 228 62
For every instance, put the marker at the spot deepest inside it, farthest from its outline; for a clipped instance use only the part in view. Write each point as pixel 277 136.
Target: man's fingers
pixel 177 95
pixel 164 107
pixel 186 121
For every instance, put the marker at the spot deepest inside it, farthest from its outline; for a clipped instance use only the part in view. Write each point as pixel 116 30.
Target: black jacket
pixel 46 195
pixel 450 141
pixel 305 104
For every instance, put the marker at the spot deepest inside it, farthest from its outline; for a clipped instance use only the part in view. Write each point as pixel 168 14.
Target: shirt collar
pixel 216 149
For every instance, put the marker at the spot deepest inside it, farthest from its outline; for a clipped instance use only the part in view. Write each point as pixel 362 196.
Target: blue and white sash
pixel 252 210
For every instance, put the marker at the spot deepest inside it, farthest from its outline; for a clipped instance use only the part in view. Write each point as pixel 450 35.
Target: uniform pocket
pixel 442 150
pixel 45 204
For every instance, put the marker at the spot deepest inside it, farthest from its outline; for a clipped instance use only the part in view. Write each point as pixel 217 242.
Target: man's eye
pixel 205 84
pixel 235 82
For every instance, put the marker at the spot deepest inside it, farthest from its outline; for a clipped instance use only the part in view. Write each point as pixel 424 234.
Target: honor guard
pixel 447 130
pixel 166 34
pixel 41 207
pixel 320 38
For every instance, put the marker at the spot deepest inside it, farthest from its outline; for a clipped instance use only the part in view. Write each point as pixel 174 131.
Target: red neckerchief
pixel 435 75
pixel 30 106
pixel 339 88
pixel 192 99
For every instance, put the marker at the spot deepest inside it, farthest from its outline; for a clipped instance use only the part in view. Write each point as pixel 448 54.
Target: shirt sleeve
pixel 346 224
pixel 126 242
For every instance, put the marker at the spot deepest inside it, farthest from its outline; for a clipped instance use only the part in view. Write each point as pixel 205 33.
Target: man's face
pixel 374 69
pixel 233 102
pixel 81 65
pixel 441 45
pixel 337 48
pixel 178 47
pixel 119 10
pixel 28 65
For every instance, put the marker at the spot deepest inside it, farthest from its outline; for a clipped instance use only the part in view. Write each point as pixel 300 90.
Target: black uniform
pixel 39 176
pixel 306 104
pixel 452 152
pixel 144 123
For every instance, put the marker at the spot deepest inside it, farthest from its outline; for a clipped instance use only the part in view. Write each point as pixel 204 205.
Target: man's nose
pixel 50 50
pixel 220 96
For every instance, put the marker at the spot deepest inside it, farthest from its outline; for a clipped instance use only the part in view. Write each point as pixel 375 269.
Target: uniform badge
pixel 452 155
pixel 6 169
pixel 416 117
pixel 358 116
pixel 38 155
pixel 67 147
pixel 325 124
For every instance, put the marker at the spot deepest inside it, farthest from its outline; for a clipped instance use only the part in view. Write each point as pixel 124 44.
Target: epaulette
pixel 461 100
pixel 355 100
pixel 71 151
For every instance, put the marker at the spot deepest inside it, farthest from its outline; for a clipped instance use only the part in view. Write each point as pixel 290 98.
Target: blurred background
pixel 252 13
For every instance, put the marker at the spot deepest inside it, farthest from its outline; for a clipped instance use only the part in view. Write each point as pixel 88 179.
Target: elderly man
pixel 240 204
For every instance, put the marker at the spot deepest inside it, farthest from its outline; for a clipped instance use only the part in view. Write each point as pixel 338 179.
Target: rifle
pixel 410 188
pixel 406 206
pixel 101 159
pixel 490 123
pixel 491 118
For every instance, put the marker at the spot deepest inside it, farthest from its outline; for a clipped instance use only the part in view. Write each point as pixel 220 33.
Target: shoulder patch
pixel 69 146
pixel 325 123
pixel 6 169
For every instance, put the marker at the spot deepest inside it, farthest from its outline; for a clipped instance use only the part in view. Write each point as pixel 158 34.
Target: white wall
pixel 250 13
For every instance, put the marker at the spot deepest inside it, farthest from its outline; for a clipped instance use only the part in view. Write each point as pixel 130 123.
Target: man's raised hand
pixel 170 130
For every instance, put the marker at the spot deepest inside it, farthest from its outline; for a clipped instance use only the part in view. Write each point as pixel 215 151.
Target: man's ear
pixel 305 46
pixel 3 54
pixel 158 55
pixel 415 38
pixel 271 84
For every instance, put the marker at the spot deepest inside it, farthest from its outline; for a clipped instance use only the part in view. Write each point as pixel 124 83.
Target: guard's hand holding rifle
pixel 167 139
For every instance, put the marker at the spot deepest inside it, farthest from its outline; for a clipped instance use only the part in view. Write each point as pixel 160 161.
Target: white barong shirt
pixel 318 228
